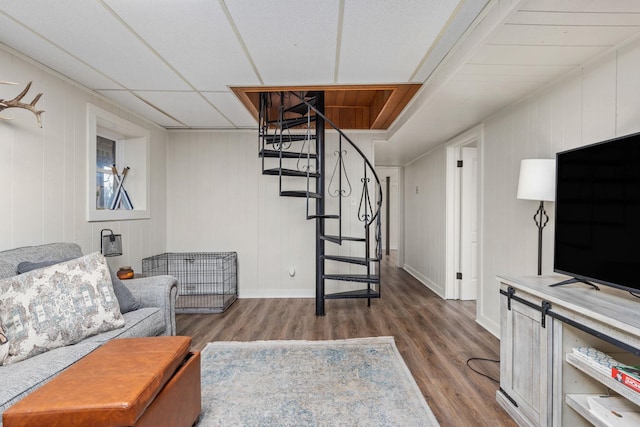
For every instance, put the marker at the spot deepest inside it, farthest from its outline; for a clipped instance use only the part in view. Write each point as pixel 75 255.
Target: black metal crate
pixel 207 281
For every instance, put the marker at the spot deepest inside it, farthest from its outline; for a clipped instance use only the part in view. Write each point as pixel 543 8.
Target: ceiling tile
pixel 459 24
pixel 291 44
pixel 209 45
pixel 135 104
pixel 381 42
pixel 232 108
pixel 198 40
pixel 21 39
pixel 188 107
pixel 97 39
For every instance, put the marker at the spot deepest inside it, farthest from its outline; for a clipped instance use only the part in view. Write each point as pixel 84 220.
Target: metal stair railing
pixel 366 212
pixel 280 138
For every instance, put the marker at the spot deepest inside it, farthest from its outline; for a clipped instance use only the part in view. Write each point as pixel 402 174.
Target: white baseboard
pixel 439 290
pixel 489 325
pixel 278 293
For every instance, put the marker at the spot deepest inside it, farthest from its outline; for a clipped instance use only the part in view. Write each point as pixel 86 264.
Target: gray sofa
pixel 157 296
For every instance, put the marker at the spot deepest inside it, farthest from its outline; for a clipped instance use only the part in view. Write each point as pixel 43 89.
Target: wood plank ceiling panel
pixel 610 19
pixel 564 35
pixel 349 107
pixel 591 6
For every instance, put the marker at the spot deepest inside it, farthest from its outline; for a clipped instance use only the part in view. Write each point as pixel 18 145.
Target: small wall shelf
pixel 608 381
pixel 580 404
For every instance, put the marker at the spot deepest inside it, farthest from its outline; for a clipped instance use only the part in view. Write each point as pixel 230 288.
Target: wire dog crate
pixel 207 281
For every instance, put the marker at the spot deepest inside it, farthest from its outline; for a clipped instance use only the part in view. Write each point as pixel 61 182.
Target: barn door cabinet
pixel 542 383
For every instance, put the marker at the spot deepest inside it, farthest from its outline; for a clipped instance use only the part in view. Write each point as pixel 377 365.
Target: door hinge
pixel 459 276
pixel 459 163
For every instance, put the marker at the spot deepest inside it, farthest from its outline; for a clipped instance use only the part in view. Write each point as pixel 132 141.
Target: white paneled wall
pixel 219 201
pixel 43 171
pixel 213 195
pixel 594 103
pixel 424 216
pixel 598 102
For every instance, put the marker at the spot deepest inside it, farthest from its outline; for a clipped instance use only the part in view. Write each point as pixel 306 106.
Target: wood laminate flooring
pixel 436 337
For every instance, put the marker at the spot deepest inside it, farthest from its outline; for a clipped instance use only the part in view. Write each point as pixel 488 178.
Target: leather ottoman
pixel 151 381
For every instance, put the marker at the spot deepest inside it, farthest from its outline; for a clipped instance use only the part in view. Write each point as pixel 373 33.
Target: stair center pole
pixel 320 205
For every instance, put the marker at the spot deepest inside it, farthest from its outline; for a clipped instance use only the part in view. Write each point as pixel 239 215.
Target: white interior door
pixel 469 224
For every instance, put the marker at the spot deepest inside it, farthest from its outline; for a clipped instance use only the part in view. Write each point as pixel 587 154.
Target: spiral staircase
pixel 294 147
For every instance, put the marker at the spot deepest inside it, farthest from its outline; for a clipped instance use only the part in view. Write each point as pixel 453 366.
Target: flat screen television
pixel 597 213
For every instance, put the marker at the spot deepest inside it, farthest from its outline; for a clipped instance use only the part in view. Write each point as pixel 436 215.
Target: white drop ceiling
pixel 174 61
pixel 515 48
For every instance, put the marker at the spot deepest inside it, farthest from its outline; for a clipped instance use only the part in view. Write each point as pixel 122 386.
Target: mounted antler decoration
pixel 15 103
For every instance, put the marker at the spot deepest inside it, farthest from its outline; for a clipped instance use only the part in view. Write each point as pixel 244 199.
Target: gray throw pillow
pixel 126 300
pixel 26 266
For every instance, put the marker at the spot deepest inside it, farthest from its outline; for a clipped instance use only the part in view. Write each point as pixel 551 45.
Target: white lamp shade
pixel 537 180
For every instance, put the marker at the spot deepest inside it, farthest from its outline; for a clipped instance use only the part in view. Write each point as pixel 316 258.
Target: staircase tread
pixel 285 154
pixel 272 139
pixel 354 277
pixel 289 172
pixel 347 238
pixel 294 122
pixel 290 193
pixel 323 216
pixel 358 293
pixel 301 108
pixel 351 259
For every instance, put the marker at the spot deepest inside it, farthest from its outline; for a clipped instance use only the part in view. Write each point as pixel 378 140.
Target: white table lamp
pixel 538 182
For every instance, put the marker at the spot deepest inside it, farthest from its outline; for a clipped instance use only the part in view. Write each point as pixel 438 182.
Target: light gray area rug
pixel 356 382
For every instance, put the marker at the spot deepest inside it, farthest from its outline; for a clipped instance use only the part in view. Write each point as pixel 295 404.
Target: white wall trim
pixel 452 217
pixel 424 280
pixel 278 293
pixel 401 218
pixel 136 145
pixel 492 327
pixel 487 322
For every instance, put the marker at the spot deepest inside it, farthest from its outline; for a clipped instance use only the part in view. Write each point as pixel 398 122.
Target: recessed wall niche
pixel 111 138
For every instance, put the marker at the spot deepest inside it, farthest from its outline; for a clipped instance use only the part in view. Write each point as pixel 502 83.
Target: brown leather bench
pixel 151 381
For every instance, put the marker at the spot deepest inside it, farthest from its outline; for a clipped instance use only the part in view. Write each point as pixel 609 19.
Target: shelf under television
pixel 605 380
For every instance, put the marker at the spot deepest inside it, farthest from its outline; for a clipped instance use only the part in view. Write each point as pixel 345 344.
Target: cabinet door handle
pixel 510 293
pixel 544 309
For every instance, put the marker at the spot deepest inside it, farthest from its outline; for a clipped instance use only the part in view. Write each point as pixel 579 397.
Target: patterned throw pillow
pixel 125 298
pixel 56 306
